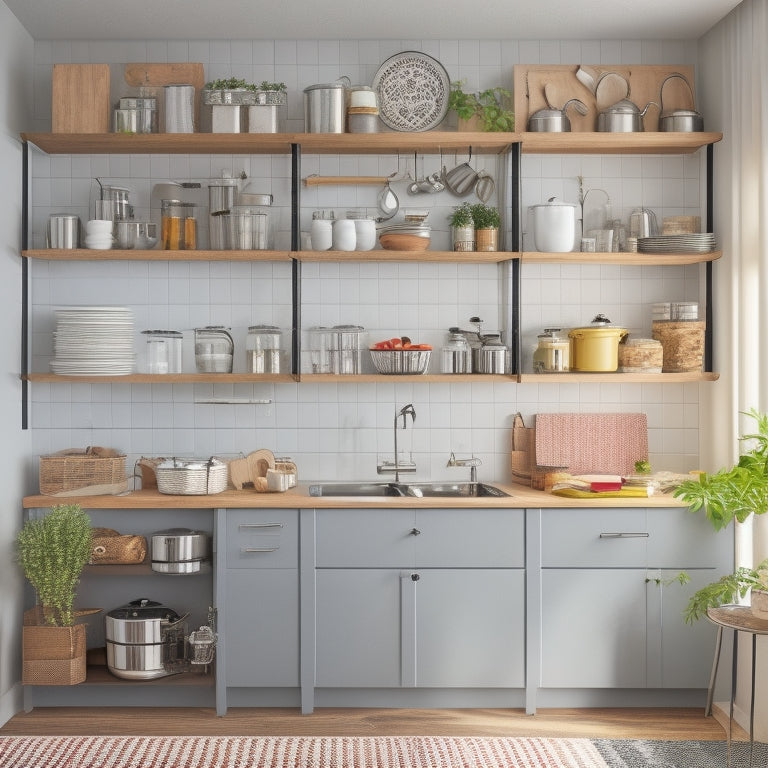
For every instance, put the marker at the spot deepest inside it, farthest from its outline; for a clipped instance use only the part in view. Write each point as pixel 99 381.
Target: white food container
pixel 554 226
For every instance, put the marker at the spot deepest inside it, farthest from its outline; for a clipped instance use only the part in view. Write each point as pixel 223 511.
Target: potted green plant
pixel 462 228
pixel 725 496
pixel 488 110
pixel 487 220
pixel 225 101
pixel 52 552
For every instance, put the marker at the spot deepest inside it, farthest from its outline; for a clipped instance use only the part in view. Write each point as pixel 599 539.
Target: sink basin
pixel 451 490
pixel 414 490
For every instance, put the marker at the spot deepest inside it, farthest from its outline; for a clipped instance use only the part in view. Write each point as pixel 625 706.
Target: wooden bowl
pixel 401 242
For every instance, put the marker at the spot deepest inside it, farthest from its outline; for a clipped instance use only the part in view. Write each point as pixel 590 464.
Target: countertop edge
pixel 521 497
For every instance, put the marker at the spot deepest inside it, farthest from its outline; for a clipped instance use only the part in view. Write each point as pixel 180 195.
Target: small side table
pixel 738 618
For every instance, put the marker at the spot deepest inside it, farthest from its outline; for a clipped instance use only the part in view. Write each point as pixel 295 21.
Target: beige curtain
pixel 732 79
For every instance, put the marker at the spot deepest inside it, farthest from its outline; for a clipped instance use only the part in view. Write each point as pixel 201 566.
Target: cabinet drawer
pixel 470 538
pixel 682 539
pixel 608 538
pixel 365 538
pixel 263 538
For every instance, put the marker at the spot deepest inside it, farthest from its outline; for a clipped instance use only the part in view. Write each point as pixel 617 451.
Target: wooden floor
pixel 674 724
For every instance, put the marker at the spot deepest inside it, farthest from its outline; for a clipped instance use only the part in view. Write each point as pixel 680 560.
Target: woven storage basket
pixel 192 478
pixel 109 547
pixel 74 468
pixel 683 344
pixel 52 655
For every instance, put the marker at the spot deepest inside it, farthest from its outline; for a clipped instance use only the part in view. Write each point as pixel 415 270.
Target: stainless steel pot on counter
pixel 179 550
pixel 144 639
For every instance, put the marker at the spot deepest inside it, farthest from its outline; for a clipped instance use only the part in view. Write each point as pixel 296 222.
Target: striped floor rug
pixel 295 752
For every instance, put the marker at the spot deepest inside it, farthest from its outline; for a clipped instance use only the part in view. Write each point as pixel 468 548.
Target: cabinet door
pixel 262 627
pixel 470 628
pixel 679 654
pixel 593 632
pixel 358 627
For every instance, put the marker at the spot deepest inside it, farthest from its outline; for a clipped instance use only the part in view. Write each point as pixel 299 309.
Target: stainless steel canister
pixel 63 231
pixel 179 550
pixel 325 108
pixel 491 356
pixel 179 108
pixel 221 198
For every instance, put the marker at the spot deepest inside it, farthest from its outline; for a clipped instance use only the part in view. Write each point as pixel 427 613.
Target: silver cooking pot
pixel 682 120
pixel 142 639
pixel 623 117
pixel 179 550
pixel 555 120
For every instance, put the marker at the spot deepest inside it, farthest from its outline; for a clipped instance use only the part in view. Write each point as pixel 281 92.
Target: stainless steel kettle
pixel 623 117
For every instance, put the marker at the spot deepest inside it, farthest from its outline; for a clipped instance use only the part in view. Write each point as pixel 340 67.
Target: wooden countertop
pixel 521 497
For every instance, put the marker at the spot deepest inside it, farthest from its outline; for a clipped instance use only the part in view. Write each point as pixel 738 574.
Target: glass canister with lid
pixel 262 349
pixel 552 355
pixel 457 354
pixel 163 351
pixel 214 349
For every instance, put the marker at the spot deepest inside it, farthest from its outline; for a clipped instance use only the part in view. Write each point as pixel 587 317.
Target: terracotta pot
pixel 486 239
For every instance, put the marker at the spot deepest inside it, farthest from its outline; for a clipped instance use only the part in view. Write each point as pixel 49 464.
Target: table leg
pixel 713 675
pixel 752 701
pixel 734 668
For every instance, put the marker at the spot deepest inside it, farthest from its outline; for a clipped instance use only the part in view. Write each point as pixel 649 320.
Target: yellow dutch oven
pixel 595 347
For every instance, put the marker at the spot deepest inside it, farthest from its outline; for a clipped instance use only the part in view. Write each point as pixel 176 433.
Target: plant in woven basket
pixel 725 496
pixel 52 551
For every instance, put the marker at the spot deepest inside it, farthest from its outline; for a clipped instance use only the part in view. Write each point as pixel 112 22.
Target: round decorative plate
pixel 413 91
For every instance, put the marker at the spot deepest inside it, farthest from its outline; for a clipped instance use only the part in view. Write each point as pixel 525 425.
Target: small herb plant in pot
pixel 733 495
pixel 487 220
pixel 462 228
pixel 487 110
pixel 52 552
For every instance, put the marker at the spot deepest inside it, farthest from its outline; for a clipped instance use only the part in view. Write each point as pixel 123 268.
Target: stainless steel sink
pixel 414 490
pixel 451 490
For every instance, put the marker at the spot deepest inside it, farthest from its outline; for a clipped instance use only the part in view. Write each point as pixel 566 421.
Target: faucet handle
pixel 473 461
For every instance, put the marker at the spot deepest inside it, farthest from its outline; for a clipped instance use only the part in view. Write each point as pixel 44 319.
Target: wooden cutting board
pixel 80 98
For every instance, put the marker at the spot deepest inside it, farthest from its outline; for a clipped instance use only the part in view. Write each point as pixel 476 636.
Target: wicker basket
pixel 197 477
pixel 109 547
pixel 683 344
pixel 52 655
pixel 73 468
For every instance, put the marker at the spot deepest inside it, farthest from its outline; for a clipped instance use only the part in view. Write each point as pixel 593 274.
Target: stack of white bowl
pixel 98 234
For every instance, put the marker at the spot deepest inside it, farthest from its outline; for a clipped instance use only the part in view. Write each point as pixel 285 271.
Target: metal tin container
pixel 490 356
pixel 324 108
pixel 179 550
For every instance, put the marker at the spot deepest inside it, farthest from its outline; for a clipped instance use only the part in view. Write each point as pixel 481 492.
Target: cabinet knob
pixel 415 532
pixel 415 577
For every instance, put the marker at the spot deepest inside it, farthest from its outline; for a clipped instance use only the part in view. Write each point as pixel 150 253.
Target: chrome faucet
pixel 398 466
pixel 473 463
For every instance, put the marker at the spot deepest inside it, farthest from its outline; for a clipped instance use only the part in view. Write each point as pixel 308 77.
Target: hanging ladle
pixel 388 203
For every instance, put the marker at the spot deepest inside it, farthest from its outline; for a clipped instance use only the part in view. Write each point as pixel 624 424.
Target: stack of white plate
pixel 93 341
pixel 702 242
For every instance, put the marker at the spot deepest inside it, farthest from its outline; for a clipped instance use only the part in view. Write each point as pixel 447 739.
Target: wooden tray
pixel 644 86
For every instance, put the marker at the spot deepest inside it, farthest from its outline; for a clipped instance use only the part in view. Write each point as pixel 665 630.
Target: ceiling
pixel 379 20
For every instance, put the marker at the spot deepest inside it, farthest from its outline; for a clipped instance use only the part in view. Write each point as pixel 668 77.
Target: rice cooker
pixel 595 348
pixel 144 639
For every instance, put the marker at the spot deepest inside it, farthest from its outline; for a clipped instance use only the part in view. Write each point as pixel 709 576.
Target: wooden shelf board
pixel 623 258
pixel 100 675
pixel 617 378
pixel 138 570
pixel 424 378
pixel 166 378
pixel 656 143
pixel 458 257
pixel 394 142
pixel 87 254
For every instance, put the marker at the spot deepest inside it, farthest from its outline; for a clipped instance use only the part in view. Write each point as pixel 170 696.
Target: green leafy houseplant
pixel 485 216
pixel 462 216
pixel 725 496
pixel 489 106
pixel 52 552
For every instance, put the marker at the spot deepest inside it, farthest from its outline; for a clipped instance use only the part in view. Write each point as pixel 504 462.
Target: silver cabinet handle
pixel 415 577
pixel 249 550
pixel 415 532
pixel 624 535
pixel 259 525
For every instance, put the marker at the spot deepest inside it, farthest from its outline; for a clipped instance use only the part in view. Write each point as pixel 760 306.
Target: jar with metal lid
pixel 552 355
pixel 490 356
pixel 262 349
pixel 163 353
pixel 457 354
pixel 178 225
pixel 346 349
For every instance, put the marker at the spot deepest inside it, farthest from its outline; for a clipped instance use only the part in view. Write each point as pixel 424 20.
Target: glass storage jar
pixel 457 354
pixel 262 349
pixel 552 353
pixel 163 351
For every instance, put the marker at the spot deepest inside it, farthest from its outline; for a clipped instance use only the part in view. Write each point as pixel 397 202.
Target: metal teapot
pixel 623 117
pixel 553 120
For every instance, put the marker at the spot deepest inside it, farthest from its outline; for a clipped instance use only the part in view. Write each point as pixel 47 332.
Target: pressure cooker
pixel 144 640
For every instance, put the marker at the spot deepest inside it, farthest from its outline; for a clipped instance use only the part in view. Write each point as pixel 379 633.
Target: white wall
pixel 15 114
pixel 338 431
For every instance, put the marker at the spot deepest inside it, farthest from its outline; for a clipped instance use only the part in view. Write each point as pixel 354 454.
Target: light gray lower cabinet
pixel 424 598
pixel 611 614
pixel 258 603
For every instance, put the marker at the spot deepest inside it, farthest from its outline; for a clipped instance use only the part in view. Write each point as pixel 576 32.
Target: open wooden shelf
pixel 423 378
pixel 165 378
pixel 622 258
pixel 593 143
pixel 617 378
pixel 116 254
pixel 456 257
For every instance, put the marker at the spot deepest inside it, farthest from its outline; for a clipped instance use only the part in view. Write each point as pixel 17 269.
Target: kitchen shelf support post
pixel 296 263
pixel 24 285
pixel 708 313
